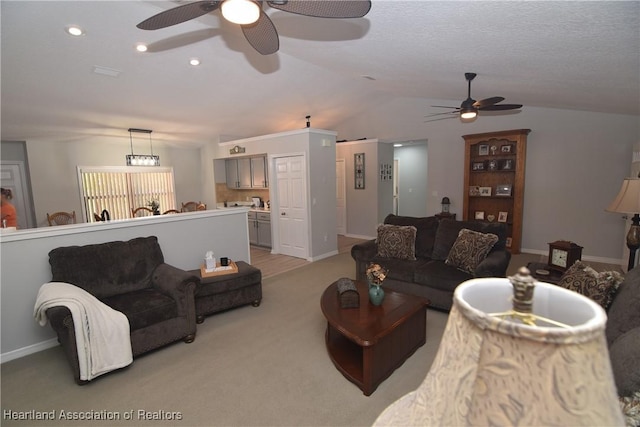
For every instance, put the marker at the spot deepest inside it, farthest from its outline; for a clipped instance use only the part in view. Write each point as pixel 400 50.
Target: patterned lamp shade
pixel 492 370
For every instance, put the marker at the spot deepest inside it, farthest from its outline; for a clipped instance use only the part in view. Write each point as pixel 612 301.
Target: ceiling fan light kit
pixel 241 12
pixel 256 25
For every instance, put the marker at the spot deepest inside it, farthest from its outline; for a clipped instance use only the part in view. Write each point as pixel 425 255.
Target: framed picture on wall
pixel 358 167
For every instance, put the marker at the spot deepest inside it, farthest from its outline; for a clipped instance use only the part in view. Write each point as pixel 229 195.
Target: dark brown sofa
pixel 623 334
pixel 130 277
pixel 428 275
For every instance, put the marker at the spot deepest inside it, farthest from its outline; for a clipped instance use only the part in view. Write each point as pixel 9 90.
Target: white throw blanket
pixel 102 333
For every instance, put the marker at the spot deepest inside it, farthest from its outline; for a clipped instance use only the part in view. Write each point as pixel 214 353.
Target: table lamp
pixel 628 201
pixel 509 356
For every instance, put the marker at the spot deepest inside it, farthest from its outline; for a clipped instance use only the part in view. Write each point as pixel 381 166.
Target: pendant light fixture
pixel 142 159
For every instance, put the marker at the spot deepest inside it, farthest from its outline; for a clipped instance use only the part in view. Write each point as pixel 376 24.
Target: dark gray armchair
pixel 130 277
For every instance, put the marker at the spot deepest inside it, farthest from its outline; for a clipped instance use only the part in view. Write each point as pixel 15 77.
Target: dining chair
pixel 171 211
pixel 193 206
pixel 142 210
pixel 61 218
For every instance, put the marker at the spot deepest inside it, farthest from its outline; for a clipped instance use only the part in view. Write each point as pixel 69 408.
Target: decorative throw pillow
pixel 470 249
pixel 397 241
pixel 600 287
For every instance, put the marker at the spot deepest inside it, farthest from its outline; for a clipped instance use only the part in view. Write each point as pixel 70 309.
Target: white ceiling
pixel 569 55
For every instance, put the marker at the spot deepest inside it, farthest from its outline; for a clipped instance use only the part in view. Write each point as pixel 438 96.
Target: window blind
pixel 119 190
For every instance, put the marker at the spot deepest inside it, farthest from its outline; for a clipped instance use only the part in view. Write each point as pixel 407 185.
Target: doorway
pixel 396 186
pixel 13 177
pixel 410 179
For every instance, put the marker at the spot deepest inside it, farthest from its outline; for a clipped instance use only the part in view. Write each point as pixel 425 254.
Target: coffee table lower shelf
pixel 346 355
pixel 368 364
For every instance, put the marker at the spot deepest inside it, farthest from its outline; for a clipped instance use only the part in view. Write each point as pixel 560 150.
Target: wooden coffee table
pixel 368 343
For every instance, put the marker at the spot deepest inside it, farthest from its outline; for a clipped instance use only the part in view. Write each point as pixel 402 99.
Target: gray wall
pixel 576 162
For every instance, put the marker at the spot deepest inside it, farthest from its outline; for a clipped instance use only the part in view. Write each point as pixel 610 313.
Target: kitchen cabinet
pixel 246 172
pixel 259 228
pixel 238 172
pixel 259 172
pixel 494 180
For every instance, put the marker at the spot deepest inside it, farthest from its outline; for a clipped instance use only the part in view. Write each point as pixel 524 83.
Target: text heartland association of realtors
pixel 134 414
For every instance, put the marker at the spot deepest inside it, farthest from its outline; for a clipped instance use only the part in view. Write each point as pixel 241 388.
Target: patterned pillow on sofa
pixel 397 241
pixel 470 249
pixel 600 287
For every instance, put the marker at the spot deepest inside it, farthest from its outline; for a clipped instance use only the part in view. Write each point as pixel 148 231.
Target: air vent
pixel 105 71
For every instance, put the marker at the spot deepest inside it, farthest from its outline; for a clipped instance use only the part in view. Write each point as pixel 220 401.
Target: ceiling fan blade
pixel 178 15
pixel 442 114
pixel 501 107
pixel 488 101
pixel 440 118
pixel 324 8
pixel 444 106
pixel 262 35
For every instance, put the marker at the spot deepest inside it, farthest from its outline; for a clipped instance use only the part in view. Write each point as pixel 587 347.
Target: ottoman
pixel 219 293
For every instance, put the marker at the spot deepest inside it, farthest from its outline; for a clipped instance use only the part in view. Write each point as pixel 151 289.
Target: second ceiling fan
pixel 470 108
pixel 256 25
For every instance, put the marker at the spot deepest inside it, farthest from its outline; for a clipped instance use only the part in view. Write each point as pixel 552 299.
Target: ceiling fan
pixel 469 108
pixel 256 25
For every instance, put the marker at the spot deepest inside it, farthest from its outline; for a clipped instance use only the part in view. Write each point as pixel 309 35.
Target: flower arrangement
pixel 154 205
pixel 376 273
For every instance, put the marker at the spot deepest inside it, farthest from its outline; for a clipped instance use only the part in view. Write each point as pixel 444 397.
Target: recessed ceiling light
pixel 194 61
pixel 397 145
pixel 74 30
pixel 141 47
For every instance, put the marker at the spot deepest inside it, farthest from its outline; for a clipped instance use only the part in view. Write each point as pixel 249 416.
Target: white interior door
pixel 292 206
pixel 341 198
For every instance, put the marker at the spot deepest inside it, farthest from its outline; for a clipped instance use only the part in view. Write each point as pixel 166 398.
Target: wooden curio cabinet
pixel 494 180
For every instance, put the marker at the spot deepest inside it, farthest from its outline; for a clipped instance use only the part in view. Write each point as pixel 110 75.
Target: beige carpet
pixel 264 366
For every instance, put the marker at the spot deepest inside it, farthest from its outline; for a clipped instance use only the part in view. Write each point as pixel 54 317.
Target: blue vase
pixel 376 294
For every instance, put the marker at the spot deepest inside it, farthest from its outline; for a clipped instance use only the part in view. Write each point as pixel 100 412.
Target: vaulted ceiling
pixel 565 54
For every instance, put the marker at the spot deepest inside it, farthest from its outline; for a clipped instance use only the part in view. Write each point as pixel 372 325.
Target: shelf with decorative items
pixel 494 180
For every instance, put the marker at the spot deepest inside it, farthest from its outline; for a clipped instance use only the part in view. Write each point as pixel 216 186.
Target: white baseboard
pixel 323 256
pixel 30 349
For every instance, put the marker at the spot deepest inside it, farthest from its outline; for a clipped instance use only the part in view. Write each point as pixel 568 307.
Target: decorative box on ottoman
pixel 222 292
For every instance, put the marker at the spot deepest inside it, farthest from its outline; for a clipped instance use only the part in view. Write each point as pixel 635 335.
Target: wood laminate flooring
pixel 272 264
